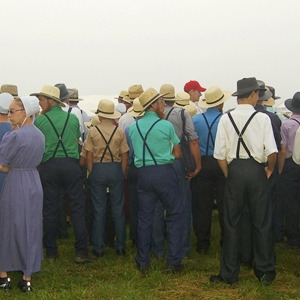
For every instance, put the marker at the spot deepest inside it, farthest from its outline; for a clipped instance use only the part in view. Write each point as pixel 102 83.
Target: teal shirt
pixel 70 136
pixel 161 140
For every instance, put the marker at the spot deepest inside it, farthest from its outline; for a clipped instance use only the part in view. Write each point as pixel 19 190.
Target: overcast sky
pixel 104 46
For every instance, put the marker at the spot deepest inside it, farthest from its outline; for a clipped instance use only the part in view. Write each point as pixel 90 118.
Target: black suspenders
pixel 209 131
pixel 107 143
pixel 240 134
pixel 60 142
pixel 145 145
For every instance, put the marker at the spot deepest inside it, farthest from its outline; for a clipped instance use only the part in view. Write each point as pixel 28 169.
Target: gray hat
pixel 64 92
pixel 264 94
pixel 5 100
pixel 246 85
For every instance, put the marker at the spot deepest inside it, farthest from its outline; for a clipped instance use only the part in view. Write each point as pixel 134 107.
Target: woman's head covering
pixel 31 105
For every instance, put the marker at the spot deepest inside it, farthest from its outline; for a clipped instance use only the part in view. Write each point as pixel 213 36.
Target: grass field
pixel 113 277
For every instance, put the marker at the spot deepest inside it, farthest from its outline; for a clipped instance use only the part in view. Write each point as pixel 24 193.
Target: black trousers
pixel 65 173
pixel 207 186
pixel 247 181
pixel 290 194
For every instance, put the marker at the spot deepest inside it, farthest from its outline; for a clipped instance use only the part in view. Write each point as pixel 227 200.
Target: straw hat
pixel 213 97
pixel 135 91
pixel 191 108
pixel 169 91
pixel 49 91
pixel 9 88
pixel 106 109
pixel 74 97
pixel 95 121
pixel 182 99
pixel 148 97
pixel 122 94
pixel 136 110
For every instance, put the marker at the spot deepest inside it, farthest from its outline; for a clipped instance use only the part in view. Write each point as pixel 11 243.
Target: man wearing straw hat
pixel 175 115
pixel 9 88
pixel 106 159
pixel 155 146
pixel 246 152
pixel 60 169
pixel 210 182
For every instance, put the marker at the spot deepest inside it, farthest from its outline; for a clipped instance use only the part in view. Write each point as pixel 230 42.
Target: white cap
pixel 31 105
pixel 5 100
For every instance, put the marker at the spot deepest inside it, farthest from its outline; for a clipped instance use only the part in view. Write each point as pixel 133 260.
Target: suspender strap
pixel 295 120
pixel 240 134
pixel 167 116
pixel 60 142
pixel 209 131
pixel 107 143
pixel 145 145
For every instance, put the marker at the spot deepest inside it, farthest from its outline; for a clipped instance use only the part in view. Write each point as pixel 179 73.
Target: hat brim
pixel 288 104
pixel 75 100
pixel 133 113
pixel 115 115
pixel 151 101
pixel 203 104
pixel 47 96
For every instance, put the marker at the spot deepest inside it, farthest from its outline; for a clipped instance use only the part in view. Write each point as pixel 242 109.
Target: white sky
pixel 104 46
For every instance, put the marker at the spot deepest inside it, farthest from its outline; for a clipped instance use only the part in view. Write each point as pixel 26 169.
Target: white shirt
pixel 258 136
pixel 125 121
pixel 75 111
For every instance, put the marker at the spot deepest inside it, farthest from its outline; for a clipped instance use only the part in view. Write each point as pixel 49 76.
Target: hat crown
pixel 9 88
pixel 296 100
pixel 74 94
pixel 51 91
pixel 137 106
pixel 135 91
pixel 106 106
pixel 149 96
pixel 182 98
pixel 168 90
pixel 213 95
pixel 123 93
pixel 64 92
pixel 193 85
pixel 246 85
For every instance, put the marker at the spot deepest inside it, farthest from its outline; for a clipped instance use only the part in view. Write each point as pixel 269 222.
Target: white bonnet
pixel 5 100
pixel 31 105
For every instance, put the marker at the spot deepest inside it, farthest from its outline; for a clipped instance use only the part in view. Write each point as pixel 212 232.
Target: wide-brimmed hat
pixel 74 96
pixel 95 121
pixel 136 110
pixel 49 91
pixel 246 85
pixel 135 91
pixel 293 104
pixel 106 109
pixel 9 88
pixel 193 85
pixel 64 92
pixel 148 97
pixel 213 97
pixel 272 90
pixel 122 94
pixel 182 99
pixel 169 91
pixel 5 100
pixel 191 108
pixel 269 102
pixel 31 105
pixel 264 93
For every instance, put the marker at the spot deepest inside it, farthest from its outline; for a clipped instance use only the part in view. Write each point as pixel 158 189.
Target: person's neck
pixel 3 118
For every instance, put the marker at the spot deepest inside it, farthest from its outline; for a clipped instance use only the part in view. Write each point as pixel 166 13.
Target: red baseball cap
pixel 193 85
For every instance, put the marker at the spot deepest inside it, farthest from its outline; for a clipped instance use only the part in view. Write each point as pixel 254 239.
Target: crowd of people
pixel 129 164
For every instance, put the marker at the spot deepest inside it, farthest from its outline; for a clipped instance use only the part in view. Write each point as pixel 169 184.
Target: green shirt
pixel 161 139
pixel 70 136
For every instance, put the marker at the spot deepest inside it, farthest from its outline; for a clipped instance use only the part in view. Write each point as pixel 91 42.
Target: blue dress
pixel 21 201
pixel 4 127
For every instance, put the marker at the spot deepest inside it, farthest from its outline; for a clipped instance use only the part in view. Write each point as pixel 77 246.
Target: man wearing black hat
pixel 244 140
pixel 290 173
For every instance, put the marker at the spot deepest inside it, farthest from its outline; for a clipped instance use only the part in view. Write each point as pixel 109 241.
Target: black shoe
pixel 172 269
pixel 25 286
pixel 52 258
pixel 98 254
pixel 143 269
pixel 120 252
pixel 5 284
pixel 84 258
pixel 219 279
pixel 267 279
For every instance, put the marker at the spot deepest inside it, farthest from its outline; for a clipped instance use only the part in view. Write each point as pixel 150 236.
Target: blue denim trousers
pixel 159 183
pixel 159 226
pixel 108 176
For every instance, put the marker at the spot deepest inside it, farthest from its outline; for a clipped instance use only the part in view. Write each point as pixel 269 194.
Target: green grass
pixel 113 277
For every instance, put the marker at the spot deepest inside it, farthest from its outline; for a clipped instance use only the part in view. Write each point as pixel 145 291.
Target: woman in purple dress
pixel 21 198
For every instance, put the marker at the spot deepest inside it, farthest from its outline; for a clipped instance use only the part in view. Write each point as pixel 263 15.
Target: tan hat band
pixel 215 100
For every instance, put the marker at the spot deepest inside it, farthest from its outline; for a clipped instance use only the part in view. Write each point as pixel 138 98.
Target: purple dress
pixel 21 201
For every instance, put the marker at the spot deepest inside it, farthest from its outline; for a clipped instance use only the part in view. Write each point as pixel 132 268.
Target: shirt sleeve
pixel 220 142
pixel 9 146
